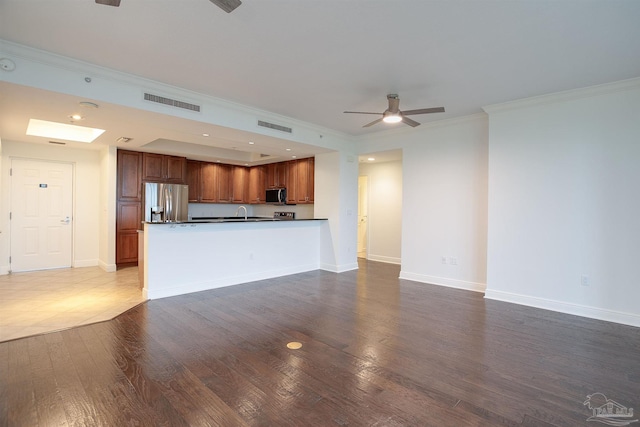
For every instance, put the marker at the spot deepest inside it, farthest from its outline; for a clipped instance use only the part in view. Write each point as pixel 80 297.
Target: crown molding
pixel 568 95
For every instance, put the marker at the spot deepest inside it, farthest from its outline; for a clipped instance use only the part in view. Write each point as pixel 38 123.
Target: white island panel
pixel 184 258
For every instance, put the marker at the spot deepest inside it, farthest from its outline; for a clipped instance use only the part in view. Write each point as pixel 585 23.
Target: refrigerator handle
pixel 167 203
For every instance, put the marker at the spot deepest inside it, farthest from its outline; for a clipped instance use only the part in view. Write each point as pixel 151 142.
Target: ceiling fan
pixel 226 5
pixel 394 115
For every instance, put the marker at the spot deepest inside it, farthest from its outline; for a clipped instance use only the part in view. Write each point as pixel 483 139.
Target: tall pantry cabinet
pixel 133 169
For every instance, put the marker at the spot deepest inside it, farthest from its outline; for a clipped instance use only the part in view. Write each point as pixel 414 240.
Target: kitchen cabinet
pixel 257 184
pixel 305 184
pixel 213 182
pixel 240 184
pixel 300 181
pixel 162 168
pixel 129 179
pixel 276 175
pixel 291 180
pixel 223 183
pixel 208 183
pixel 128 206
pixel 128 220
pixel 223 172
pixel 194 180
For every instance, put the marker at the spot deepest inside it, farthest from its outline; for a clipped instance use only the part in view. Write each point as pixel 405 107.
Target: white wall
pixel 564 173
pixel 445 205
pixel 444 199
pixel 108 178
pixel 87 189
pixel 336 198
pixel 384 237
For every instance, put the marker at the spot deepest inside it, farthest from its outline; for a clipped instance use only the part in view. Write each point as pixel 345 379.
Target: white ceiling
pixel 312 59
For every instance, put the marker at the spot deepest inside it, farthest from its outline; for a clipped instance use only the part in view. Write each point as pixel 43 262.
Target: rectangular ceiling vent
pixel 274 126
pixel 171 102
pixel 264 155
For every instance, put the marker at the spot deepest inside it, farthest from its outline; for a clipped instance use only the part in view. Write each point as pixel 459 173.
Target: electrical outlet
pixel 444 260
pixel 584 280
pixel 453 261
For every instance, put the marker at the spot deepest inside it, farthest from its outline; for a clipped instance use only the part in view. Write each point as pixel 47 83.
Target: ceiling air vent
pixel 274 126
pixel 264 155
pixel 171 102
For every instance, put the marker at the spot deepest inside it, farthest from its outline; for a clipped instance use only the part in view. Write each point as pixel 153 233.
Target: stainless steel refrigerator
pixel 166 202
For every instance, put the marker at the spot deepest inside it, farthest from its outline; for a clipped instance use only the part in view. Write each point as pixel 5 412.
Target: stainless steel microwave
pixel 276 196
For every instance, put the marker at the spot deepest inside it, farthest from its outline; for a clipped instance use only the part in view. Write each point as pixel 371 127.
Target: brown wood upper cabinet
pixel 217 183
pixel 162 168
pixel 129 165
pixel 240 184
pixel 257 184
pixel 223 183
pixel 300 181
pixel 194 180
pixel 277 175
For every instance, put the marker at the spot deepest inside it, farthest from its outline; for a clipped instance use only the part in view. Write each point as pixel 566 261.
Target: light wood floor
pixel 376 351
pixel 44 301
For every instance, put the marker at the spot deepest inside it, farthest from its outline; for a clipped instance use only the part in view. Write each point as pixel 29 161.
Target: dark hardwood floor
pixel 377 351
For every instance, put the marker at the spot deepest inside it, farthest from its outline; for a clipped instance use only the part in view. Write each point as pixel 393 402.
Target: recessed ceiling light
pixel 371 159
pixel 76 117
pixel 288 149
pixel 63 131
pixel 251 142
pixel 293 157
pixel 205 134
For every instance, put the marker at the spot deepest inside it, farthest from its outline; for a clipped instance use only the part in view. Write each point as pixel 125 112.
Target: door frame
pixel 366 190
pixel 9 201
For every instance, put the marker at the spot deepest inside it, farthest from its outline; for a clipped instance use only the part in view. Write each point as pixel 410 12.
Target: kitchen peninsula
pixel 180 258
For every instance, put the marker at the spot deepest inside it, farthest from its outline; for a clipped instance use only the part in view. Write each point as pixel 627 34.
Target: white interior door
pixel 363 215
pixel 41 215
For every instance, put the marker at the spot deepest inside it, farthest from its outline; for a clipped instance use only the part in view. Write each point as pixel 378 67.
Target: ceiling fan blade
pixel 424 111
pixel 359 112
pixel 372 123
pixel 410 122
pixel 394 103
pixel 227 5
pixel 115 3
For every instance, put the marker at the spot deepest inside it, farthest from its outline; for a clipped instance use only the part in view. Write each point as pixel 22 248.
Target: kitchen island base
pixel 182 258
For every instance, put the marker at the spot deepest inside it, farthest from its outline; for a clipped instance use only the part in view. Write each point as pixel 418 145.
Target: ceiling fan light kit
pixel 394 115
pixel 389 117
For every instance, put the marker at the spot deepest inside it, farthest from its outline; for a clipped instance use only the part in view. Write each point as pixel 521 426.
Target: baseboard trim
pixel 382 258
pixel 109 268
pixel 565 307
pixel 339 268
pixel 443 281
pixel 79 263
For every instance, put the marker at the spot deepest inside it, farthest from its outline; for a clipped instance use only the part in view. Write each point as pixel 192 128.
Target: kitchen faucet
pixel 245 211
